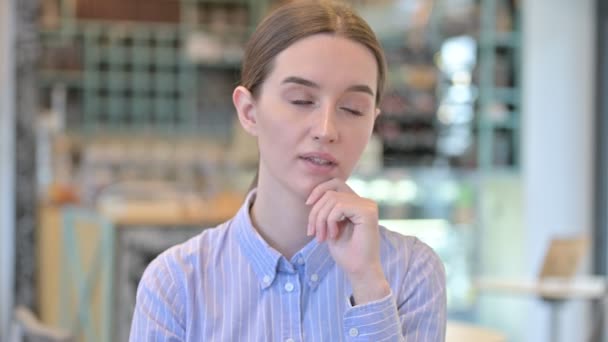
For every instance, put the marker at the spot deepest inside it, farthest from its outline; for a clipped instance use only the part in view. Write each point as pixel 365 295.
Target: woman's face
pixel 316 111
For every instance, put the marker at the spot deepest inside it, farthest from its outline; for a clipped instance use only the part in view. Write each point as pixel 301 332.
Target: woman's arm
pixel 417 313
pixel 422 308
pixel 349 224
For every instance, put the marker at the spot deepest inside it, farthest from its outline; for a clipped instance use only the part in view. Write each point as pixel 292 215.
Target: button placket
pixel 291 316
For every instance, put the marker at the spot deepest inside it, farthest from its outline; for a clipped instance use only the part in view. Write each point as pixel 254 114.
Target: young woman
pixel 304 259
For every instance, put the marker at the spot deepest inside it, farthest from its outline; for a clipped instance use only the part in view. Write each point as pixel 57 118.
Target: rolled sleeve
pixel 374 321
pixel 414 311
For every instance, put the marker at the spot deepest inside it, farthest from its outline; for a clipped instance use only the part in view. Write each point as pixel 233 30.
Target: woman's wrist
pixel 370 287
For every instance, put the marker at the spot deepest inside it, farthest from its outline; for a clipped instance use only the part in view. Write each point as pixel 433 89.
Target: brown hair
pixel 299 19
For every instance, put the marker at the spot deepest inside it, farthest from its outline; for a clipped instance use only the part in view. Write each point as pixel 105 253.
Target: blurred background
pixel 118 139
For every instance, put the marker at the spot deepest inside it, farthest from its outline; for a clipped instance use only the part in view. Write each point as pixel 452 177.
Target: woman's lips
pixel 319 163
pixel 320 158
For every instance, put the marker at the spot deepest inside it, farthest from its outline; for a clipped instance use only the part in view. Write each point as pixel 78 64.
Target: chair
pixel 27 328
pixel 87 274
pixel 461 332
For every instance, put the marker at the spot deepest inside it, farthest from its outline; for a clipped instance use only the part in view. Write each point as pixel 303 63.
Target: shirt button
pixel 301 261
pixel 266 279
pixel 353 332
pixel 314 277
pixel 289 287
pixel 289 340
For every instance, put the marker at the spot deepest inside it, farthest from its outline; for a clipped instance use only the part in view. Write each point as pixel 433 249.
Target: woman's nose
pixel 325 129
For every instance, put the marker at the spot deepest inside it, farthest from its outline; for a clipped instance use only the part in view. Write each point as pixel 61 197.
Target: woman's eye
pixel 301 102
pixel 351 111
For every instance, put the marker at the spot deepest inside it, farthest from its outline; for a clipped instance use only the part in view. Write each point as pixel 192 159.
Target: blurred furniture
pixel 91 260
pixel 27 328
pixel 162 204
pixel 548 289
pixel 461 332
pixel 86 285
pixel 557 282
pixel 553 291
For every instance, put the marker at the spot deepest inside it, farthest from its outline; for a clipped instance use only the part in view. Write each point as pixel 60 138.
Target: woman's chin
pixel 305 187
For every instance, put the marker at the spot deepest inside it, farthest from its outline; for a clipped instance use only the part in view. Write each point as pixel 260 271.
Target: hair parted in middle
pixel 299 19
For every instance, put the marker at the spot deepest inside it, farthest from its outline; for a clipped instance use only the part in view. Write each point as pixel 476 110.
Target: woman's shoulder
pixel 398 241
pixel 187 257
pixel 405 249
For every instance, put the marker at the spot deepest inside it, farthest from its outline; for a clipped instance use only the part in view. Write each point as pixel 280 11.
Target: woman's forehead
pixel 323 58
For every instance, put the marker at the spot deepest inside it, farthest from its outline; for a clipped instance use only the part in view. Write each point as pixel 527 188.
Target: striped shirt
pixel 228 284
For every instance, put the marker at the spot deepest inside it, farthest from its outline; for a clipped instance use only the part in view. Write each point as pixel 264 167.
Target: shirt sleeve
pixel 158 309
pixel 416 314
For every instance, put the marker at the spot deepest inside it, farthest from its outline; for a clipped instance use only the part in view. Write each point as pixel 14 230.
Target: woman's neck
pixel 281 218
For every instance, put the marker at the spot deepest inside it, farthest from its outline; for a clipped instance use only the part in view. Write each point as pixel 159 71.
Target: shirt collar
pixel 266 261
pixel 262 257
pixel 317 260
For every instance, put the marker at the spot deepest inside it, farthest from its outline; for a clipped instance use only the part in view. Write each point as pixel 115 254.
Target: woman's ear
pixel 246 110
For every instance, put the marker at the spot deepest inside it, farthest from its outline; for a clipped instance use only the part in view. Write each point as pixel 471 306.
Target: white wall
pixel 7 149
pixel 558 114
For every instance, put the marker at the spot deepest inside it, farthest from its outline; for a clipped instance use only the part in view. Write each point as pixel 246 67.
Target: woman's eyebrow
pixel 302 81
pixel 361 88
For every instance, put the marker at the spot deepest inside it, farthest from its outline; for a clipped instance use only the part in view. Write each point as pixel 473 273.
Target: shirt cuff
pixel 373 321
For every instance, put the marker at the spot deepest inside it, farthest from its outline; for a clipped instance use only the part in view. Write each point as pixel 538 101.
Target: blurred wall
pixel 558 114
pixel 7 148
